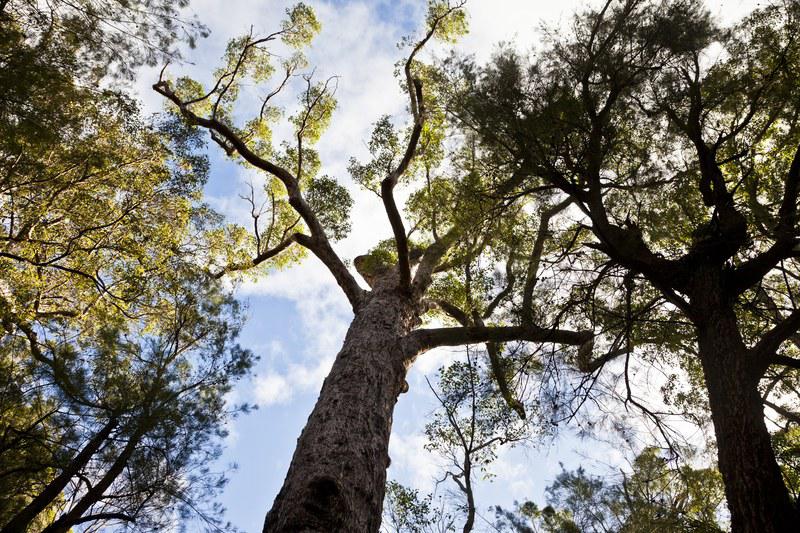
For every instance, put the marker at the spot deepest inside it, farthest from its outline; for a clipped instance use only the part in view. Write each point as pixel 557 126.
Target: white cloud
pixel 272 389
pixel 276 388
pixel 412 465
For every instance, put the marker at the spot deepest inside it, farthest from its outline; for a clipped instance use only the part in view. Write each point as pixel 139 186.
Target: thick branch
pixel 753 270
pixel 785 360
pixel 387 194
pixel 388 184
pixel 499 373
pixel 454 312
pixel 502 295
pixel 318 243
pixel 422 340
pixel 431 259
pixel 787 214
pixel 774 313
pixel 542 234
pixel 764 351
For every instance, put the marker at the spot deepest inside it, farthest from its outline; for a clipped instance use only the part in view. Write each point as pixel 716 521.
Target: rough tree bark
pixel 337 475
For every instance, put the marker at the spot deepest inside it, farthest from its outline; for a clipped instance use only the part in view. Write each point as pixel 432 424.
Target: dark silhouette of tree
pixel 677 141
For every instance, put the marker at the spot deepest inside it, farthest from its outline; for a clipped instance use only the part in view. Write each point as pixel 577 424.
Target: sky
pixel 297 317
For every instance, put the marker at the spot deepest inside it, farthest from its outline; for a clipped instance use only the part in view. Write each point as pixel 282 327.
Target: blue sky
pixel 298 317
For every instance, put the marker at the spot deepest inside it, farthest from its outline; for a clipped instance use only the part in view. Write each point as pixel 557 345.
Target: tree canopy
pixel 117 347
pixel 676 139
pixel 623 197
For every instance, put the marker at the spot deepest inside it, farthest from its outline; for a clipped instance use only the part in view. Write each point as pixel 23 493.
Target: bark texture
pixel 757 496
pixel 337 476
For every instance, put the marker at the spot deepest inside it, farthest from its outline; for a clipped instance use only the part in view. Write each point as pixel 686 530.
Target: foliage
pixel 787 451
pixel 112 329
pixel 101 37
pixel 405 511
pixel 653 497
pixel 385 151
pixel 333 203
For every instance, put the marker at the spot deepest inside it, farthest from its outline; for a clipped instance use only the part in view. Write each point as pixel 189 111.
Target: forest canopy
pixel 597 236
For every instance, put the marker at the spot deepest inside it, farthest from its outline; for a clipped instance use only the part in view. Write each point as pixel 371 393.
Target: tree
pixel 337 475
pixel 677 140
pixel 472 423
pixel 146 407
pixel 652 497
pixel 406 512
pixel 119 346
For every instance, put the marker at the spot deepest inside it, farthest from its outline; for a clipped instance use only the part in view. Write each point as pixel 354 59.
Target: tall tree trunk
pixel 20 522
pixel 757 496
pixel 337 476
pixel 469 523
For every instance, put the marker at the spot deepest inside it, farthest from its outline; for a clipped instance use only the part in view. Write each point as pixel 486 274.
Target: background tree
pixel 472 423
pixel 146 408
pixel 677 141
pixel 651 497
pixel 404 510
pixel 118 346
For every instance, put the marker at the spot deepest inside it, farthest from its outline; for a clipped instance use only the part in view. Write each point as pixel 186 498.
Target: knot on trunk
pixel 372 267
pixel 322 507
pixel 381 263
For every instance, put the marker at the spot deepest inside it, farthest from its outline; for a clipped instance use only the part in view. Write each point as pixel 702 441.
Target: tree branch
pixel 502 295
pixel 423 340
pixel 104 516
pixel 387 193
pixel 542 233
pixel 318 243
pixel 430 261
pixel 785 360
pixel 785 413
pixel 764 351
pixel 260 258
pixel 499 372
pixel 454 312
